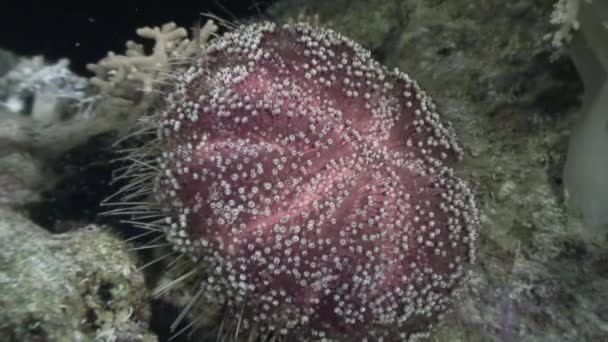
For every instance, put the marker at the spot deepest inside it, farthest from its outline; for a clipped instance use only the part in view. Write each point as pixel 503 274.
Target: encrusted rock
pixel 78 286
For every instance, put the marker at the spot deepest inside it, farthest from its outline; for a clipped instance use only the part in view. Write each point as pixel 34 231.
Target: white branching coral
pixel 127 83
pixel 565 15
pixel 171 42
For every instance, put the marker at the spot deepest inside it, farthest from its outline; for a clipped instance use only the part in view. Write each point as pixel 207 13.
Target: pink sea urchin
pixel 315 185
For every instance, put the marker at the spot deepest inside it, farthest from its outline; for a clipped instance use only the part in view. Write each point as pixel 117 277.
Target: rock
pixel 78 286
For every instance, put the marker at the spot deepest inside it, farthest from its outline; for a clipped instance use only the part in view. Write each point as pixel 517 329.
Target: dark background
pixel 84 31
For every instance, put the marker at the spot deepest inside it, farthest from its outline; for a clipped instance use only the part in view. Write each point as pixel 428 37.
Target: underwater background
pixel 523 84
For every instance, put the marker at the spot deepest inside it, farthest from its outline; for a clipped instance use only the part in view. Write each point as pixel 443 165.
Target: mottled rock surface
pixel 77 286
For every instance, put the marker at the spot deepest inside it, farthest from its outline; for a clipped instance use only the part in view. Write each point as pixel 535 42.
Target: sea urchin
pixel 314 185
